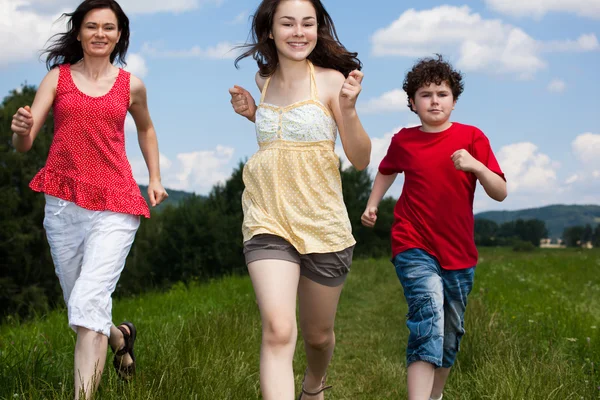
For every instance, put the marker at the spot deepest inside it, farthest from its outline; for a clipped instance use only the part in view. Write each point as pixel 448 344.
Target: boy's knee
pixel 424 318
pixel 424 321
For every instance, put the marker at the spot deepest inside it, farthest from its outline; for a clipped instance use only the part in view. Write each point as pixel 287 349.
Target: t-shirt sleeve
pixel 482 151
pixel 390 163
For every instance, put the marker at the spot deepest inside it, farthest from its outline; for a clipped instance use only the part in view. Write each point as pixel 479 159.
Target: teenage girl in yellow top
pixel 297 234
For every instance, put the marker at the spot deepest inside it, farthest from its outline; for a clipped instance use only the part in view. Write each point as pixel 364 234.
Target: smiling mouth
pixel 298 44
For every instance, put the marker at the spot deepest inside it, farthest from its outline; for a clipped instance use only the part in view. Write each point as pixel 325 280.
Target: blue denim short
pixel 437 299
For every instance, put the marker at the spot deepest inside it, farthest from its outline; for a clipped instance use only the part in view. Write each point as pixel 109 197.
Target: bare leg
pixel 90 356
pixel 318 307
pixel 420 380
pixel 441 375
pixel 275 284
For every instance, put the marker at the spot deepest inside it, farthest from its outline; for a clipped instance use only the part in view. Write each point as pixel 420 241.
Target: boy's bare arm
pixel 492 183
pixel 380 187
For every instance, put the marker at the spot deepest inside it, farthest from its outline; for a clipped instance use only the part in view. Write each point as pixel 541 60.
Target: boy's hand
pixel 243 102
pixel 464 161
pixel 22 121
pixel 350 90
pixel 369 217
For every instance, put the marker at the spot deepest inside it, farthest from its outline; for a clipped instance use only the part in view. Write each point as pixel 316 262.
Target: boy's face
pixel 434 104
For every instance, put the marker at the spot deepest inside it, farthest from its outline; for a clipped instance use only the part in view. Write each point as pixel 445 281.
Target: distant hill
pixel 175 197
pixel 556 217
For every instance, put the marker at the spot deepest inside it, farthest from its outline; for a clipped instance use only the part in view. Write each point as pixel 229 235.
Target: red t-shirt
pixel 435 210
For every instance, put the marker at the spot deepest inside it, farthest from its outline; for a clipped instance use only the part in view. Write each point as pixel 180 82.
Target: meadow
pixel 533 332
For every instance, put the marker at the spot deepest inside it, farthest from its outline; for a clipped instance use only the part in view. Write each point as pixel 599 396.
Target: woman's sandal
pixel 319 391
pixel 126 372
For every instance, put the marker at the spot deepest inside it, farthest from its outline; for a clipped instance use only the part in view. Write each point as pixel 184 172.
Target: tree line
pixel 198 239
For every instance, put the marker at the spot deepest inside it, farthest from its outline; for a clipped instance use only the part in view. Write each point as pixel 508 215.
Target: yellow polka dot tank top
pixel 293 187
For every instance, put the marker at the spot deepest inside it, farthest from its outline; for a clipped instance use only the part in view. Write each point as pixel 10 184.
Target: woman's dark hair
pixel 432 70
pixel 66 49
pixel 328 53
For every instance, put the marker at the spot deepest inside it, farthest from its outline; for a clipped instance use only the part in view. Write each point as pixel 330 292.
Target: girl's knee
pixel 279 332
pixel 319 339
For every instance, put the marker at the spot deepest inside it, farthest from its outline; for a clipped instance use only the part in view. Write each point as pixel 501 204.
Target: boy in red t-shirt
pixel 432 235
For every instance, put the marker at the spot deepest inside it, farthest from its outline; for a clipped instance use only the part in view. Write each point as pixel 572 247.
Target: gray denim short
pixel 329 269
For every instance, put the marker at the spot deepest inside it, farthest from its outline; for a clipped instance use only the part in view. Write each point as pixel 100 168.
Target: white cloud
pixel 195 172
pixel 155 6
pixel 557 86
pixel 136 65
pixel 130 125
pixel 583 186
pixel 223 50
pixel 588 42
pixel 572 179
pixel 129 6
pixel 379 147
pixel 240 19
pixel 392 101
pixel 480 44
pixel 27 25
pixel 538 8
pixel 528 170
pixel 587 148
pixel 23 33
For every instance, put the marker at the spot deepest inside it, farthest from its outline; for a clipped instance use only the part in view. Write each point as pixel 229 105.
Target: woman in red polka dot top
pixel 93 204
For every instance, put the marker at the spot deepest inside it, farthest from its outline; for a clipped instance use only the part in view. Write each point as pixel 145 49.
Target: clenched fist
pixel 464 161
pixel 22 121
pixel 350 90
pixel 369 217
pixel 243 102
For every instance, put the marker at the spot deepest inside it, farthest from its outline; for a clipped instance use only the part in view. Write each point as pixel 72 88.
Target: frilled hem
pixel 90 196
pixel 300 247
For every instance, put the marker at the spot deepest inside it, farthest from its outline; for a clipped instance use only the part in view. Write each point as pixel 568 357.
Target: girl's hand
pixel 350 90
pixel 242 102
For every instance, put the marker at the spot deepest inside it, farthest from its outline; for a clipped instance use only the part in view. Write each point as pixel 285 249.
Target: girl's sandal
pixel 319 391
pixel 126 372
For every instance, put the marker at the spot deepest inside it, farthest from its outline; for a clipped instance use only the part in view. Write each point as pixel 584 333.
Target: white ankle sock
pixel 439 398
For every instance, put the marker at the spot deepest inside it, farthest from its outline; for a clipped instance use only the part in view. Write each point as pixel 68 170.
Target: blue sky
pixel 530 67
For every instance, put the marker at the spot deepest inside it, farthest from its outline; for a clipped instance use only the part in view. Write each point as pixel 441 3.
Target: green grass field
pixel 533 332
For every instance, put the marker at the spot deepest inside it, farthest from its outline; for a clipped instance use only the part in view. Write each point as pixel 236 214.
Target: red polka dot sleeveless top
pixel 87 163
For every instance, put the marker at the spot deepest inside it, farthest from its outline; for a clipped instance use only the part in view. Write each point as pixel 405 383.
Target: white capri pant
pixel 89 249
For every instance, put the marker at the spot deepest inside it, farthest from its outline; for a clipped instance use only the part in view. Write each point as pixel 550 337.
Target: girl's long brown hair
pixel 328 53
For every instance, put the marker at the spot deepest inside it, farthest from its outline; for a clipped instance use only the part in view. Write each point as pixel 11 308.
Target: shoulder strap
pixel 264 91
pixel 314 92
pixel 65 79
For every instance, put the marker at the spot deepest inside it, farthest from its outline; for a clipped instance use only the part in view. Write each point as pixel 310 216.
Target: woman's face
pixel 99 33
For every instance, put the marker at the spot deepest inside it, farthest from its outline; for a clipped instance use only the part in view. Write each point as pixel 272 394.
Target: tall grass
pixel 533 332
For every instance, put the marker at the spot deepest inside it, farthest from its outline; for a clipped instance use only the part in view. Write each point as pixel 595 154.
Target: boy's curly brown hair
pixel 432 70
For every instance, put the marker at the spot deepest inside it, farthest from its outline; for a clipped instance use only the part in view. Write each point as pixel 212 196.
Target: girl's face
pixel 99 33
pixel 294 29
